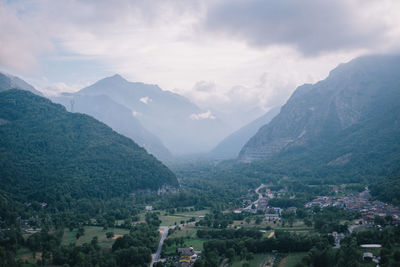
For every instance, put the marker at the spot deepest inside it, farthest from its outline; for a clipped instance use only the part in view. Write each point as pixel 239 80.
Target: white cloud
pixel 203 116
pixel 135 113
pixel 22 39
pixel 145 100
pixel 309 26
pixel 54 89
pixel 176 44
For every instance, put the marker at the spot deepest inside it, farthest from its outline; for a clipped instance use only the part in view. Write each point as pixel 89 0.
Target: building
pixel 271 217
pixel 262 204
pixel 368 256
pixel 187 256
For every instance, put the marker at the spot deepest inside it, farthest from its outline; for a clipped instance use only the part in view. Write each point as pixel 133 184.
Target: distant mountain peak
pixel 115 78
pixel 164 113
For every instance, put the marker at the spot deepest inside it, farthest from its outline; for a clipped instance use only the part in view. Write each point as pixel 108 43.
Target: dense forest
pixel 49 155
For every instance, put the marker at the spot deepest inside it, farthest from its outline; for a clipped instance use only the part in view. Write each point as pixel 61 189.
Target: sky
pixel 225 55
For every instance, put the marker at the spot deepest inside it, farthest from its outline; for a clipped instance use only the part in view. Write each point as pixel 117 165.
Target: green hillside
pixel 366 151
pixel 47 152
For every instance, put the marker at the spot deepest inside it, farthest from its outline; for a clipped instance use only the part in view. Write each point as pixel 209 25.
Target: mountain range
pixel 181 126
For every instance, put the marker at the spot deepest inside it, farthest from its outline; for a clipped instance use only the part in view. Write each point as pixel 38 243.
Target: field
pixel 292 259
pixel 259 260
pixel 174 219
pixel 90 232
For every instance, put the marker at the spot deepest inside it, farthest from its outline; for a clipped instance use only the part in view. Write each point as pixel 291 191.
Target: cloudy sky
pixel 222 54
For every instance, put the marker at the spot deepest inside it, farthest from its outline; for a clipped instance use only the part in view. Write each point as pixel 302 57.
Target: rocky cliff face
pixel 353 92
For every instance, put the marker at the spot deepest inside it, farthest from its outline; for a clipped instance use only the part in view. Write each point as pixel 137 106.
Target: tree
pixel 81 232
pixel 396 255
pixel 249 256
pixel 110 235
pixel 378 220
pixel 307 222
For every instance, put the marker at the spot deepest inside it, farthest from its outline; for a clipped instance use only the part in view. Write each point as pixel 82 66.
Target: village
pixel 369 209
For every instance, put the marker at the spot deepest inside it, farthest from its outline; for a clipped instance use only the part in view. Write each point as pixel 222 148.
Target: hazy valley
pixel 200 133
pixel 61 168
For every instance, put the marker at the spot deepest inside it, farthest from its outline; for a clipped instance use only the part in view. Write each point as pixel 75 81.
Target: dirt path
pixel 272 234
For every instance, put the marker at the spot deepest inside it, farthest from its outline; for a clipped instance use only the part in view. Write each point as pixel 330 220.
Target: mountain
pixel 11 82
pixel 365 151
pixel 118 117
pixel 354 93
pixel 231 145
pixel 47 153
pixel 182 126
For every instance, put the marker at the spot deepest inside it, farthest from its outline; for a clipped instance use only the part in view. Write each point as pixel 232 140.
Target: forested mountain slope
pixel 47 153
pixel 365 151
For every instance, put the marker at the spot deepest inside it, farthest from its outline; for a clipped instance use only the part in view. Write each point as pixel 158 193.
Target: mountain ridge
pixel 351 93
pixel 117 117
pixel 8 81
pixel 173 118
pixel 231 145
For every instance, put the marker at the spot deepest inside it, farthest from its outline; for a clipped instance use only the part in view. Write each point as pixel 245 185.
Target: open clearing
pixel 178 217
pixel 90 232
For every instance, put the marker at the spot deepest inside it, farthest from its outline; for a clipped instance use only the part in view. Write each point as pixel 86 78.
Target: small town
pixel 362 203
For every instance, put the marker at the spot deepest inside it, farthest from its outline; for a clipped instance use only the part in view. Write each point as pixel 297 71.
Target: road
pixel 260 196
pixel 164 233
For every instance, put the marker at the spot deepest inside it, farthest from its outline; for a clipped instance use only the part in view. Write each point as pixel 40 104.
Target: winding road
pixel 260 196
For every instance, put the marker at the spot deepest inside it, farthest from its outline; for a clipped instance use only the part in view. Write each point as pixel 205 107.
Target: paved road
pixel 260 196
pixel 164 233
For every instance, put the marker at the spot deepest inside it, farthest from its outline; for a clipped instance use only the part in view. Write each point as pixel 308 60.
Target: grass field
pixel 90 232
pixel 168 220
pixel 259 260
pixel 292 259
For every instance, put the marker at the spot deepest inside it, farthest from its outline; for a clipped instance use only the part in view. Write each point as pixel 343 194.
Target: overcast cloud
pixel 309 26
pixel 242 56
